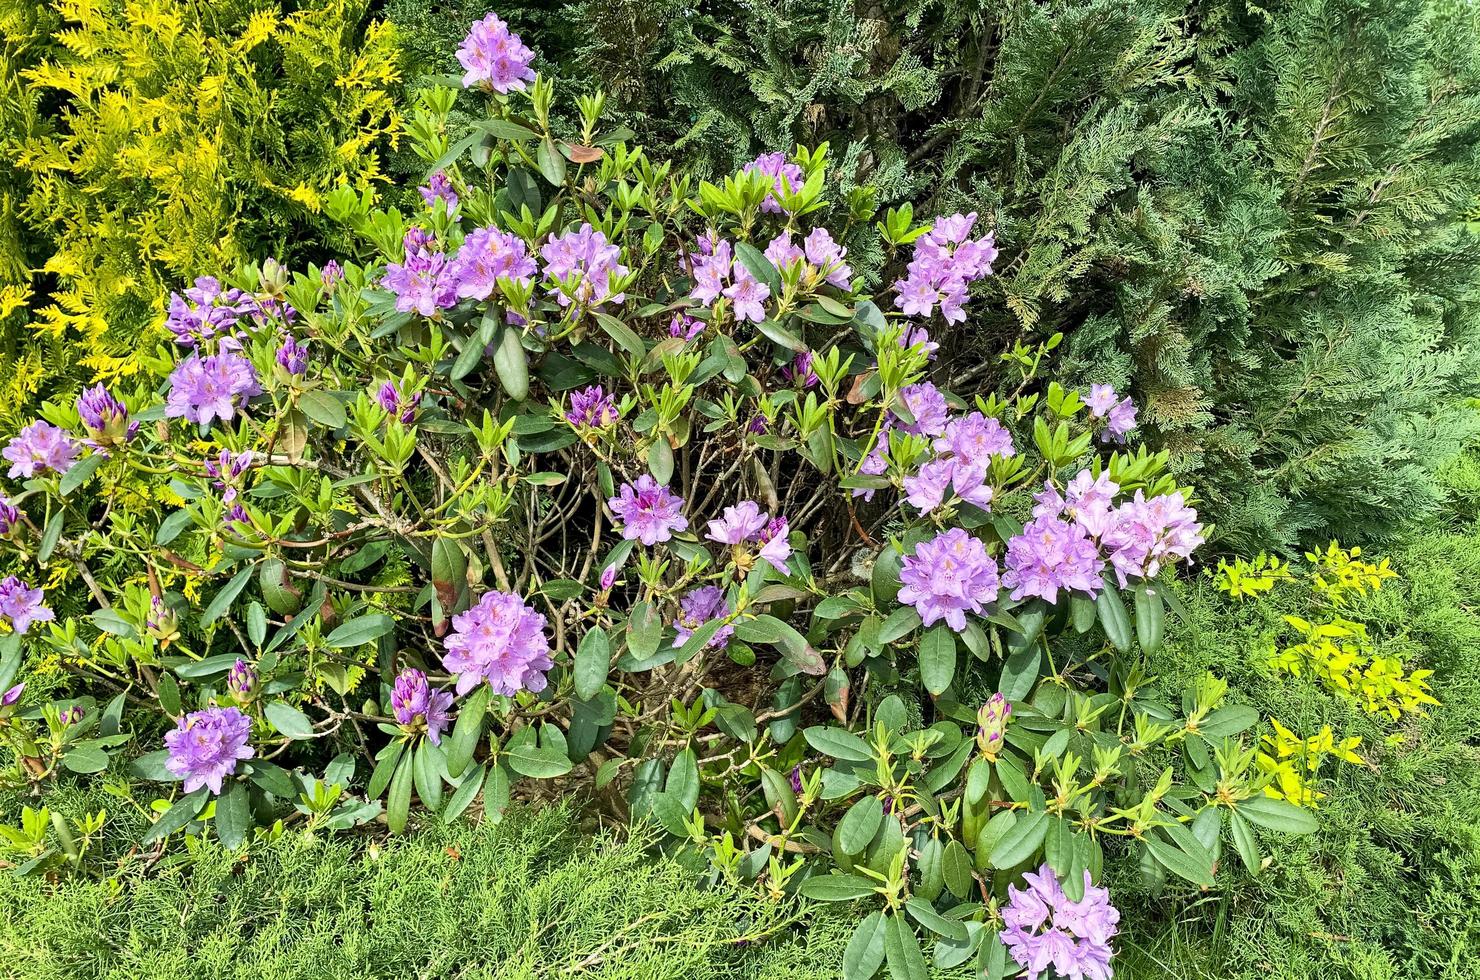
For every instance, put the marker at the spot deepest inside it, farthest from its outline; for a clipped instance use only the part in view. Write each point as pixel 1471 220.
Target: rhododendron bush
pixel 588 476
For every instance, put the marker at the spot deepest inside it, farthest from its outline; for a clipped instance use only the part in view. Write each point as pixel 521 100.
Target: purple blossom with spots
pixel 700 606
pixel 40 447
pixel 580 264
pixel 1144 536
pixel 206 746
pixel 787 177
pixel 397 402
pixel 944 265
pixel 494 57
pixel 1101 399
pixel 417 706
pixel 747 296
pixel 214 387
pixel 928 406
pixel 1044 928
pixel 292 356
pixel 975 438
pixel 685 326
pixel 207 312
pixel 487 255
pixel 500 640
pixel 1049 555
pixel 20 605
pixel 10 518
pixel 424 281
pixel 738 524
pixel 592 408
pixel 105 418
pixel 1118 413
pixel 943 476
pixel 716 274
pixel 947 577
pixel 439 188
pixel 649 513
pixel 821 257
pixel 800 372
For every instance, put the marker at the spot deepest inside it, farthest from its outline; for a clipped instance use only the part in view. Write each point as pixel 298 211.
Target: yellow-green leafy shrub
pixel 149 139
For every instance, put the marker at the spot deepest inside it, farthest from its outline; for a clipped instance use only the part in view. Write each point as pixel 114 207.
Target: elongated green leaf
pixel 1266 811
pixel 467 731
pixel 360 630
pixel 937 658
pixel 1150 617
pixel 921 912
pixel 464 795
pixel 838 888
pixel 79 473
pixel 865 952
pixel 1245 843
pixel 621 333
pixel 288 720
pixel 223 600
pixel 233 815
pixel 1114 618
pixel 398 804
pixel 838 743
pixel 323 408
pixel 902 951
pixel 385 768
pixel 1021 841
pixel 593 660
pixel 1195 866
pixel 859 824
pixel 181 813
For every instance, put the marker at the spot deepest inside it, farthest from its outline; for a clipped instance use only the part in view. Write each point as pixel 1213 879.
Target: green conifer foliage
pixel 1251 218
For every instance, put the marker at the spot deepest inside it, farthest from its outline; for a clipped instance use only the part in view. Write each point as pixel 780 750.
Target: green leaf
pixel 593 660
pixel 1114 618
pixel 465 794
pixel 536 761
pixel 865 952
pixel 506 129
pixel 398 804
pixel 957 862
pixel 1245 843
pixel 181 813
pixel 273 779
pixel 360 630
pixel 921 912
pixel 550 162
pixel 1195 865
pixel 1020 673
pixel 467 731
pixel 85 759
pixel 288 720
pixel 78 473
pixel 838 887
pixel 511 365
pixel 1150 617
pixel 683 780
pixel 937 658
pixel 621 333
pixel 50 536
pixel 385 767
pixel 902 950
pixel 859 824
pixel 644 631
pixel 1021 841
pixel 223 600
pixel 426 775
pixel 1280 815
pixel 323 408
pixel 233 815
pixel 838 743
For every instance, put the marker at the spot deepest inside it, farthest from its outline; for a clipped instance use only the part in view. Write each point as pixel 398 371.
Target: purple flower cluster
pixel 486 255
pixel 821 257
pixel 212 387
pixel 208 312
pixel 745 523
pixel 206 746
pixel 800 372
pixel 1074 533
pixel 581 264
pixel 649 513
pixel 947 577
pixel 415 704
pixel 494 57
pixel 716 274
pixel 105 418
pixel 592 408
pixel 966 447
pixel 787 177
pixel 425 280
pixel 292 357
pixel 439 188
pixel 1119 413
pixel 945 263
pixel 1044 928
pixel 698 607
pixel 20 605
pixel 919 337
pixel 685 326
pixel 399 404
pixel 40 447
pixel 500 640
pixel 926 405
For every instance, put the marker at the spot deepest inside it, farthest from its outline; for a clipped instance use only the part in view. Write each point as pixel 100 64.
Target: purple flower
pixel 241 680
pixel 747 295
pixel 415 704
pixel 800 370
pixel 919 337
pixel 494 57
pixel 238 515
pixel 875 463
pixel 501 640
pixel 782 253
pixel 208 312
pixel 1101 399
pixel 206 746
pixel 397 402
pixel 1119 413
pixel 928 407
pixel 439 188
pixel 206 388
pixel 775 548
pixel 1122 420
pixel 10 518
pixel 40 447
pixel 424 281
pixel 716 274
pixel 947 577
pixel 1144 535
pixel 592 408
pixel 105 418
pixel 757 425
pixel 698 607
pixel 739 523
pixel 1088 500
pixel 826 256
pixel 608 577
pixel 331 274
pixel 292 356
pixel 975 438
pixel 11 696
pixel 486 255
pixel 685 326
pixel 928 488
pixel 649 512
pixel 787 177
pixel 580 264
pixel 1044 928
pixel 1052 554
pixel 945 263
pixel 796 779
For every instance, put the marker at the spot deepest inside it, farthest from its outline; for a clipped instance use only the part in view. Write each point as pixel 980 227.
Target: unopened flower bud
pixel 991 721
pixel 241 681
